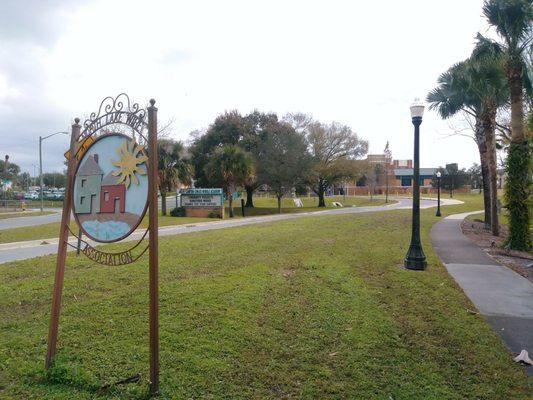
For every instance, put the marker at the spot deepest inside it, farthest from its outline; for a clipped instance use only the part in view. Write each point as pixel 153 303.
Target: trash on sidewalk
pixel 523 357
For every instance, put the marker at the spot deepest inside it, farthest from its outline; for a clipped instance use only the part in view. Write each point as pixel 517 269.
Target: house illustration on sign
pixel 96 195
pixel 88 185
pixel 112 194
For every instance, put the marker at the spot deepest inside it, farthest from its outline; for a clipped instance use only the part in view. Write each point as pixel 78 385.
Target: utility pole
pixel 41 162
pixel 41 171
pixel 5 180
pixel 33 181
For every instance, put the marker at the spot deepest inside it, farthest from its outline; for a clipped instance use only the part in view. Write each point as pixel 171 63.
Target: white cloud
pixel 7 92
pixel 360 63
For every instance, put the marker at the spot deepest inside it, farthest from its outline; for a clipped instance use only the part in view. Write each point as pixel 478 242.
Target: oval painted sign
pixel 111 188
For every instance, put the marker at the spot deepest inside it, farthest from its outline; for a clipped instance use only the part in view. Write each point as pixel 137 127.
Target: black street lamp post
pixel 415 258
pixel 438 193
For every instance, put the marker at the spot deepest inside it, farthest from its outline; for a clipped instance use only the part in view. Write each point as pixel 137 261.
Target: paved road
pixel 501 295
pixel 31 220
pixel 35 248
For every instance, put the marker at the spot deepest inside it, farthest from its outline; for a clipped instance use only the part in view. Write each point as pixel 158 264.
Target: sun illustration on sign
pixel 129 164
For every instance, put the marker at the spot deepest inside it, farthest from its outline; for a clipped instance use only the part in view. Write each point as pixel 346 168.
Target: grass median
pixel 316 307
pixel 264 206
pixel 46 231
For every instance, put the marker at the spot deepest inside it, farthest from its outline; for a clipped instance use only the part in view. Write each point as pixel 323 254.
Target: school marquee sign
pixel 201 197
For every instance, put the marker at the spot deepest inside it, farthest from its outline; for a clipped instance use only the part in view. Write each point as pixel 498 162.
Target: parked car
pixel 58 195
pixel 31 195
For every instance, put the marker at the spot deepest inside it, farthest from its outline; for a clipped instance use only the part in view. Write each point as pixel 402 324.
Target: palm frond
pixel 511 19
pixel 474 86
pixel 487 48
pixel 451 96
pixel 488 80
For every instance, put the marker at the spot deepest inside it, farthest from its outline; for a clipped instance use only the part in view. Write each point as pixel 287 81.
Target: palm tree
pixel 489 84
pixel 477 88
pixel 513 21
pixel 229 166
pixel 172 168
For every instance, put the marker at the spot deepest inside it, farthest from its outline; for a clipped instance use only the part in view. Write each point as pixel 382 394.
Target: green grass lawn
pixel 503 217
pixel 269 205
pixel 44 231
pixel 262 201
pixel 47 231
pixel 263 206
pixel 310 308
pixel 24 214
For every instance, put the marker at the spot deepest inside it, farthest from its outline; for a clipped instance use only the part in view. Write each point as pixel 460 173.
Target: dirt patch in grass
pixel 289 273
pixel 519 261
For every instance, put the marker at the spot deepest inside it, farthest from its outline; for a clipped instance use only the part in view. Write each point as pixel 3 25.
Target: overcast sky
pixel 357 62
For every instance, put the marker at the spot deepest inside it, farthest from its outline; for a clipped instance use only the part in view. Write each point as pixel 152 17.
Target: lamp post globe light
pixel 438 193
pixel 41 164
pixel 415 258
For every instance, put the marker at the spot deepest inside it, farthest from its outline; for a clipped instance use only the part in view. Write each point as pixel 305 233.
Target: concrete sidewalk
pixel 501 295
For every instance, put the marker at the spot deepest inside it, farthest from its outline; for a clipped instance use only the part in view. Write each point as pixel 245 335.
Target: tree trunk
pixel 321 200
pixel 489 132
pixel 485 178
pixel 486 190
pixel 249 196
pixel 452 185
pixel 386 185
pixel 515 79
pixel 163 202
pixel 518 164
pixel 516 195
pixel 230 200
pixel 279 204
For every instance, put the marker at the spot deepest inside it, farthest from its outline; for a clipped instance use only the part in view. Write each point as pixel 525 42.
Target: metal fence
pixel 18 205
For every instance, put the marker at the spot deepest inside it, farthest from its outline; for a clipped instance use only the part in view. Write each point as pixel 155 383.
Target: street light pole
pixel 34 177
pixel 438 193
pixel 41 163
pixel 5 181
pixel 415 258
pixel 41 171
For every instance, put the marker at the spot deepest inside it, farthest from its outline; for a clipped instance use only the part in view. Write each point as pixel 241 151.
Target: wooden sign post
pixel 62 249
pixel 111 182
pixel 153 263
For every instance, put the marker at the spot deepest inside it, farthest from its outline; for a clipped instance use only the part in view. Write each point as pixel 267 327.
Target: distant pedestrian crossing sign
pixel 84 145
